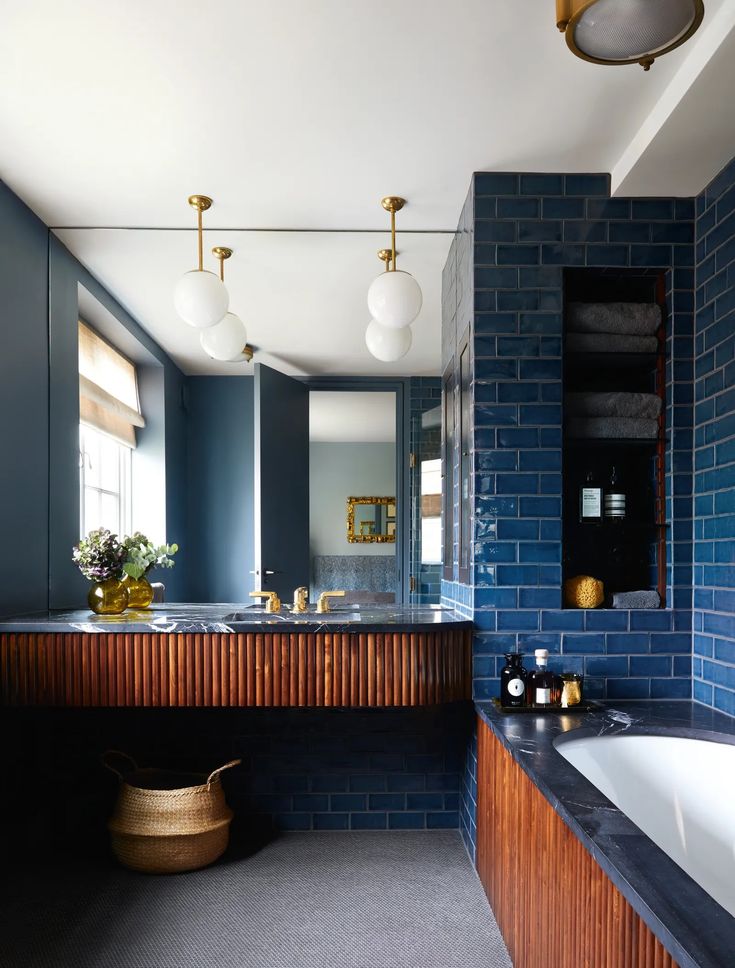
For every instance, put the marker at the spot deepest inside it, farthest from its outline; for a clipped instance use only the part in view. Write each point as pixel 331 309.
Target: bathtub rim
pixel 670 901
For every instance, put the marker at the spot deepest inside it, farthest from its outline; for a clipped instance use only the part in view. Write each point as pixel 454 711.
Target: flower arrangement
pixel 142 556
pixel 100 555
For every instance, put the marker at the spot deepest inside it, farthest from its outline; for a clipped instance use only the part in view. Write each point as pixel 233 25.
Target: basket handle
pixel 215 773
pixel 109 753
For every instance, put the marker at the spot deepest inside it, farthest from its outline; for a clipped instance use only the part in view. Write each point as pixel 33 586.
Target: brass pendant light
pixel 627 31
pixel 227 341
pixel 200 297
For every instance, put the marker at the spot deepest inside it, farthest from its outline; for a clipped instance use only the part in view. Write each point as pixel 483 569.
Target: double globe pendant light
pixel 394 299
pixel 202 301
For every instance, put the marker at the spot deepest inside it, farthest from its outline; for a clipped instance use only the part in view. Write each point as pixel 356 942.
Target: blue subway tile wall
pixel 714 446
pixel 524 231
pixel 302 769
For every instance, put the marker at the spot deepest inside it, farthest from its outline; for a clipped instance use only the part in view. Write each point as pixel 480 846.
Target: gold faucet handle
pixel 323 603
pixel 273 602
pixel 300 599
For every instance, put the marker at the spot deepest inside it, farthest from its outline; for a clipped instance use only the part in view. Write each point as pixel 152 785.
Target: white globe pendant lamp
pixel 394 297
pixel 200 298
pixel 386 344
pixel 226 340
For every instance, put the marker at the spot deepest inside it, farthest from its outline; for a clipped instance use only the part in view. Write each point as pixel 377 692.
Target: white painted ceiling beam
pixel 689 135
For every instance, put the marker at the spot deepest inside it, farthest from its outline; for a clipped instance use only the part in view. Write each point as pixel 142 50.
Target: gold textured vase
pixel 140 592
pixel 108 597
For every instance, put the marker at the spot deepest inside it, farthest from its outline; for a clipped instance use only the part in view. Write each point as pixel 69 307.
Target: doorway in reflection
pixel 352 495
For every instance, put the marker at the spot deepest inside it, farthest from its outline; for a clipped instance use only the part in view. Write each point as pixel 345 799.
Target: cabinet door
pixel 281 482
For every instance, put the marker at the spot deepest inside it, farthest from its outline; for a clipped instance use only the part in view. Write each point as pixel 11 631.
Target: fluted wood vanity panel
pixel 244 669
pixel 555 906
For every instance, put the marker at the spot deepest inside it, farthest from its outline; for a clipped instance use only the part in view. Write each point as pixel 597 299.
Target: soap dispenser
pixel 513 681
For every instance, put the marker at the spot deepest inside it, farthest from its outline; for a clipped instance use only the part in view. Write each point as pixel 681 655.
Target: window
pixel 431 521
pixel 448 441
pixel 105 482
pixel 109 412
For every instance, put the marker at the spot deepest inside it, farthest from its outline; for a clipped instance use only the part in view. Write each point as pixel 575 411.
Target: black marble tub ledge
pixel 233 617
pixel 696 930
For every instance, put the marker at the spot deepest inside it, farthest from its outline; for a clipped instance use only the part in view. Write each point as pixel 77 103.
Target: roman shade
pixel 108 388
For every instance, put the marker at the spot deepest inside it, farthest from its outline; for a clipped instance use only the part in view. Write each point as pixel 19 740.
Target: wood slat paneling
pixel 249 669
pixel 554 904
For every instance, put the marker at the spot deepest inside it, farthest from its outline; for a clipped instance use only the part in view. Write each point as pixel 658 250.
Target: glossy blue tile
pixel 495 183
pixel 541 184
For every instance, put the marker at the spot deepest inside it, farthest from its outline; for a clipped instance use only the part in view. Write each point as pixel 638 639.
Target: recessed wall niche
pixel 614 429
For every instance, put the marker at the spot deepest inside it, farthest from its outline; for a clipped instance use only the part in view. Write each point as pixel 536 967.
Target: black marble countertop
pixel 696 930
pixel 238 618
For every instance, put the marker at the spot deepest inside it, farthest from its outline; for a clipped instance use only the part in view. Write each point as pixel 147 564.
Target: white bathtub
pixel 680 792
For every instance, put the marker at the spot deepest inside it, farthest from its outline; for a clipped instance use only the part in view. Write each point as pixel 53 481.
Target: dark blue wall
pixel 24 406
pixel 39 387
pixel 714 455
pixel 220 488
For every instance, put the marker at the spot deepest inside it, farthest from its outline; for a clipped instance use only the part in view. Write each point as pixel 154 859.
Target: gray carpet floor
pixel 352 900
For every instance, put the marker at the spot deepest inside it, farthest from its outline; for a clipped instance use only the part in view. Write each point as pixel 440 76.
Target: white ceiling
pixel 337 416
pixel 301 295
pixel 296 115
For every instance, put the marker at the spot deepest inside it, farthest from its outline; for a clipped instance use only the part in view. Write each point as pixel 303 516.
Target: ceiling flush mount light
pixel 225 340
pixel 394 298
pixel 200 297
pixel 387 343
pixel 627 31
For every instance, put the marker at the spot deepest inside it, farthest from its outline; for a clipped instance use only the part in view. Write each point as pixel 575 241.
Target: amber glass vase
pixel 140 591
pixel 108 597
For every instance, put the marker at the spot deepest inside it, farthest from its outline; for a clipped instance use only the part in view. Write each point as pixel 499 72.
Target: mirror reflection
pixel 371 519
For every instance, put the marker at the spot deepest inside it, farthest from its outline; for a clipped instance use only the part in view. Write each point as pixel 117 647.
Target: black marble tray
pixel 580 707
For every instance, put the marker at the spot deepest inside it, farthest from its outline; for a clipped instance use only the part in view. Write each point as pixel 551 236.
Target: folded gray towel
pixel 629 319
pixel 610 343
pixel 613 404
pixel 597 428
pixel 642 599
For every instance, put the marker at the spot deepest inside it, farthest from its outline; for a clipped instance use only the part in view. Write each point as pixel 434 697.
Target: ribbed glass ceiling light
pixel 227 340
pixel 386 343
pixel 200 297
pixel 627 31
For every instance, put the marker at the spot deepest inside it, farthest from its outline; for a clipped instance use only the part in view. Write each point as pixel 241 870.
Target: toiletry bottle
pixel 615 503
pixel 590 500
pixel 541 681
pixel 513 681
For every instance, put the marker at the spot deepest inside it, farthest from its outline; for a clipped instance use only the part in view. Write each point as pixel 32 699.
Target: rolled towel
pixel 613 404
pixel 610 343
pixel 642 599
pixel 597 428
pixel 628 319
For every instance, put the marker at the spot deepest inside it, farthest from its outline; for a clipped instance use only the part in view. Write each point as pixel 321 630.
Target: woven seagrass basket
pixel 166 822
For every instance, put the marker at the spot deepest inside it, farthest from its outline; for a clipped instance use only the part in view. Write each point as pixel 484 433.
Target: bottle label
pixel 591 502
pixel 543 696
pixel 516 687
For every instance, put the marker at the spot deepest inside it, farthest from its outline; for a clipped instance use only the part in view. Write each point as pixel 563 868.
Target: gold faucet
pixel 300 599
pixel 273 603
pixel 323 604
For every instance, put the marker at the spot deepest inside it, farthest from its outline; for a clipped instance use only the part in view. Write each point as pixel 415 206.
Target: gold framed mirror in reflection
pixel 371 519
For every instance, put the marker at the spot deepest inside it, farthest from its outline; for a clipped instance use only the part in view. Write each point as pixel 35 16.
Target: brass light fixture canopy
pixel 392 203
pixel 221 252
pixel 627 31
pixel 386 256
pixel 200 202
